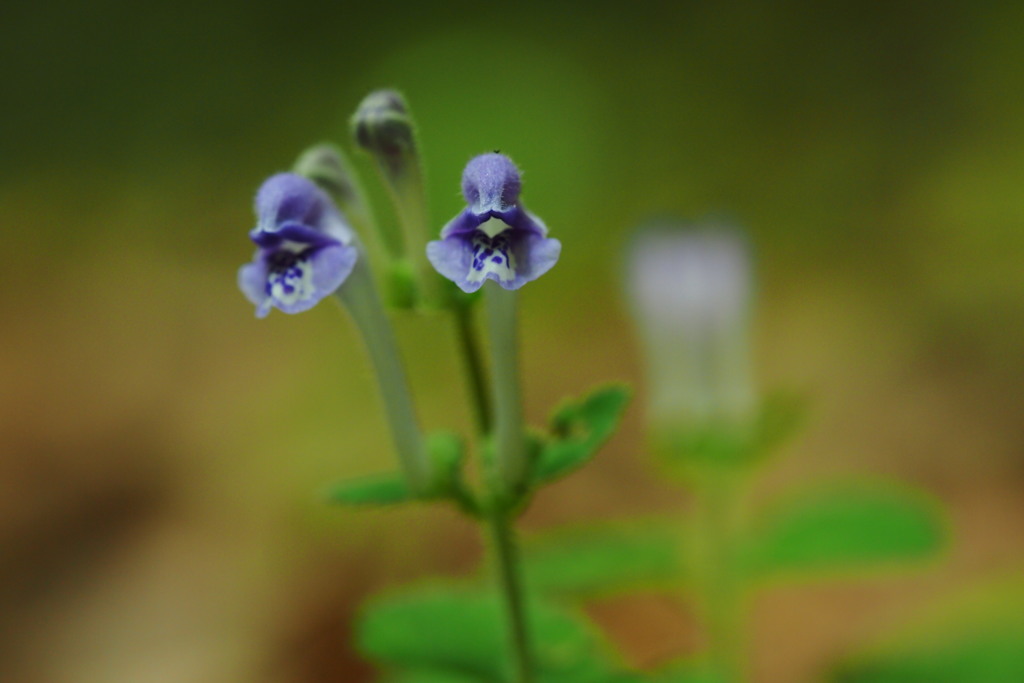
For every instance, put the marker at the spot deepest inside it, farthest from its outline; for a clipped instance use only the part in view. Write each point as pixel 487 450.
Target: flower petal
pixel 311 278
pixel 332 266
pixel 521 219
pixel 491 181
pixel 535 255
pixel 452 257
pixel 291 232
pixel 252 280
pixel 463 224
pixel 288 198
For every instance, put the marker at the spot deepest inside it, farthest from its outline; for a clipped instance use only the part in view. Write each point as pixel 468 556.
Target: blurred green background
pixel 161 450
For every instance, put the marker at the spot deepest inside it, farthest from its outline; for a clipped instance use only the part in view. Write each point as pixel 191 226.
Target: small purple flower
pixel 306 250
pixel 495 237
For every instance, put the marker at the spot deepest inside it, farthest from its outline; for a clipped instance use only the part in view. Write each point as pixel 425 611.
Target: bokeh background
pixel 161 451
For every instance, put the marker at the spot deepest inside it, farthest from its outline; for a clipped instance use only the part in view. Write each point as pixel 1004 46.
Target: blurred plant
pixel 450 633
pixel 691 293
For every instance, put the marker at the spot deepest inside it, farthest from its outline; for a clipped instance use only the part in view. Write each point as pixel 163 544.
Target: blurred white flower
pixel 690 290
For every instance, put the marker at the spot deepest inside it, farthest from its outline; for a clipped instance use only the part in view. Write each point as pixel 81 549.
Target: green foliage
pixel 383 489
pixel 456 635
pixel 846 528
pixel 599 559
pixel 690 672
pixel 429 676
pixel 993 657
pixel 980 640
pixel 578 429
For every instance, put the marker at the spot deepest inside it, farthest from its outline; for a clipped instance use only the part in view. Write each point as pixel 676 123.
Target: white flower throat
pixel 492 252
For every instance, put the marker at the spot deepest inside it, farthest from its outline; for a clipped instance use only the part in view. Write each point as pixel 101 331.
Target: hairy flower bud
pixel 383 127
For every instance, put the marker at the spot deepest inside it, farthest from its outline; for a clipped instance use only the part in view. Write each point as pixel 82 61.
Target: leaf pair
pixel 835 530
pixel 578 429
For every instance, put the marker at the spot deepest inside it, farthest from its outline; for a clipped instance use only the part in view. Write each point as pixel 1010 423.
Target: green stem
pixel 359 295
pixel 507 561
pixel 509 439
pixel 722 585
pixel 463 316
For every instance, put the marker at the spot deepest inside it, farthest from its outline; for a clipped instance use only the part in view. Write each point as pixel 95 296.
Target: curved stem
pixel 509 439
pixel 359 295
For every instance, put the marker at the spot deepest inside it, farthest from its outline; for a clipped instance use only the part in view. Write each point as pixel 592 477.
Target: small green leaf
pixel 446 450
pixel 579 428
pixel 383 489
pixel 844 529
pixel 601 559
pixel 463 632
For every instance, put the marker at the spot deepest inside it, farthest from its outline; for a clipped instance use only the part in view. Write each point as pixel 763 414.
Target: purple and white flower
pixel 305 248
pixel 495 237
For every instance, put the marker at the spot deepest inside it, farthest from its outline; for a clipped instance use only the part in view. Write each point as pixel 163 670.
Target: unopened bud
pixel 383 127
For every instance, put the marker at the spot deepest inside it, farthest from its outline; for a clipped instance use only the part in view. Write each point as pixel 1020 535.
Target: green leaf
pixel 459 631
pixel 430 676
pixel 599 559
pixel 383 489
pixel 977 640
pixel 844 528
pixel 688 672
pixel 993 657
pixel 446 450
pixel 579 428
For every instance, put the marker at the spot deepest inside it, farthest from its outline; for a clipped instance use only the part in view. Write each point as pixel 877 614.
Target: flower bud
pixel 383 127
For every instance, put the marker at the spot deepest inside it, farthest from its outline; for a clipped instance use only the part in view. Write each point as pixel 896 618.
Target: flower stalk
pixel 506 558
pixel 360 298
pixel 384 128
pixel 509 437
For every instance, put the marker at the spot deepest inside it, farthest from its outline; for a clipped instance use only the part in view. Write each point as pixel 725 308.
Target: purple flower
pixel 306 250
pixel 495 237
